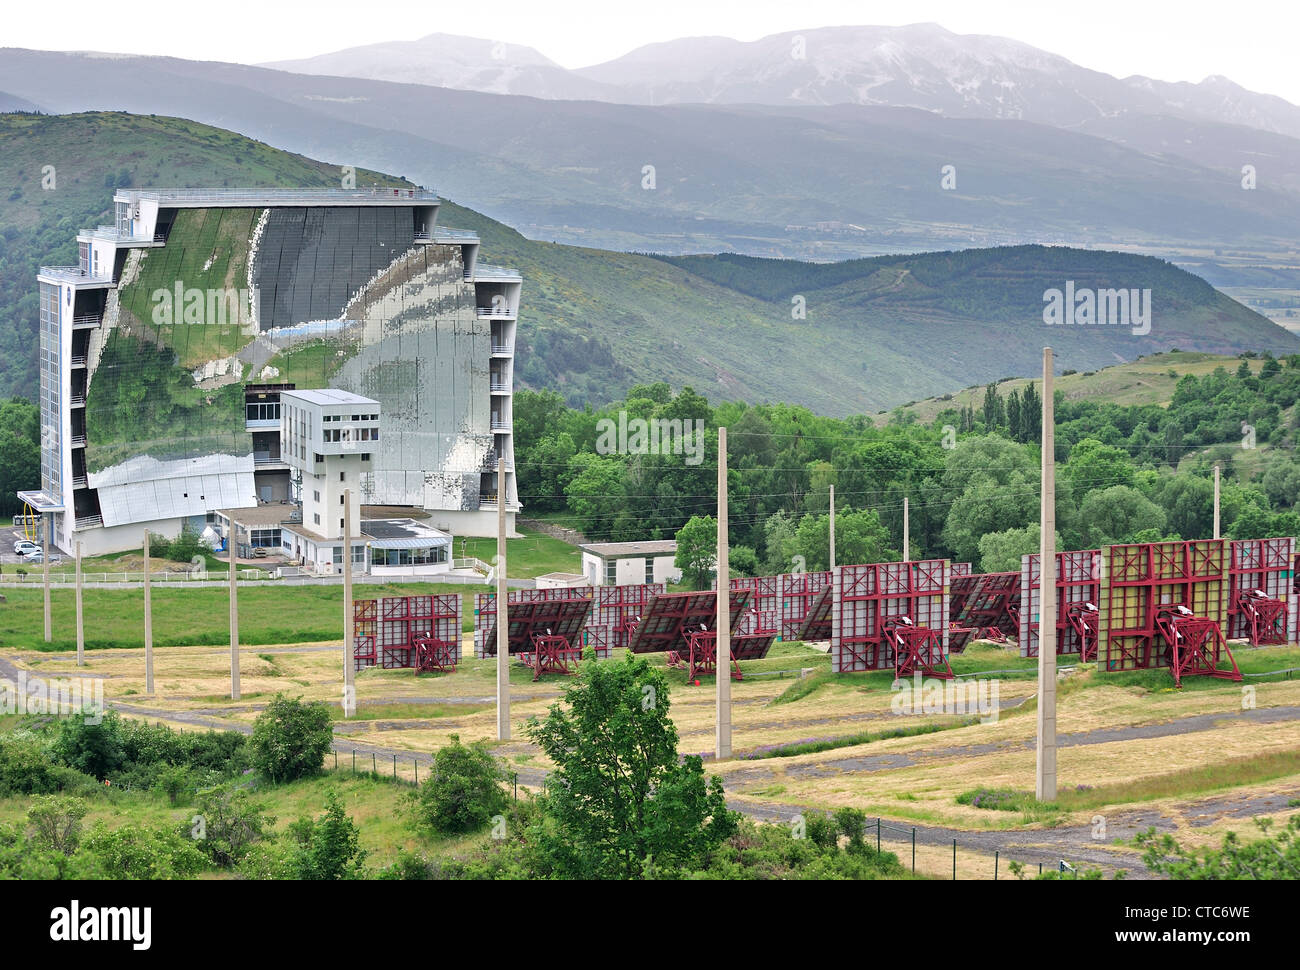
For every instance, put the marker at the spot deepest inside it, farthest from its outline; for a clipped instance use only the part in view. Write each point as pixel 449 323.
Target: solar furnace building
pixel 165 350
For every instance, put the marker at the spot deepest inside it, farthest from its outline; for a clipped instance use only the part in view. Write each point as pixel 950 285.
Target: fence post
pixel 995 865
pixel 1040 868
pixel 417 771
pixel 394 767
pixel 913 850
pixel 354 761
pixel 336 760
pixel 954 860
pixel 514 782
pixel 877 835
pixel 374 765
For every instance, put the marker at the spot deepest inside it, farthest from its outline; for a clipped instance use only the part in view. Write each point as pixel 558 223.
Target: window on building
pixel 343 476
pixel 410 557
pixel 611 572
pixel 649 569
pixel 316 519
pixel 264 537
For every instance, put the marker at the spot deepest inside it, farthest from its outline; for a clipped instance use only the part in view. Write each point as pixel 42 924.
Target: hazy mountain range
pixel 796 180
pixel 841 338
pixel 916 66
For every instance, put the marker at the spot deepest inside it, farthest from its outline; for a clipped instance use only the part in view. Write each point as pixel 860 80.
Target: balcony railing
pixel 116 235
pixel 80 482
pixel 87 320
pixel 77 400
pixel 500 349
pixel 263 458
pixel 494 311
pixel 455 235
pixel 77 441
pixel 89 521
pixel 78 360
pixel 500 386
pixel 500 425
pixel 75 274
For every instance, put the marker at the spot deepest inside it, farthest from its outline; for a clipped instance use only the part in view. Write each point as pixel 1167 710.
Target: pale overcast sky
pixel 1254 43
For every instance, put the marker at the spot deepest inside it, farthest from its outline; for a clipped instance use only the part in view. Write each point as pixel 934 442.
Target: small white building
pixel 405 547
pixel 561 581
pixel 630 563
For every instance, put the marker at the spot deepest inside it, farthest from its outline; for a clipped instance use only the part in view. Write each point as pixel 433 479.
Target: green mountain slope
pixel 877 332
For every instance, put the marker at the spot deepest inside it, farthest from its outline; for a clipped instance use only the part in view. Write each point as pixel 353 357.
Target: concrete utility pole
pixel 1045 782
pixel 1216 502
pixel 234 615
pixel 81 628
pixel 832 528
pixel 47 546
pixel 148 622
pixel 349 643
pixel 503 620
pixel 907 532
pixel 723 736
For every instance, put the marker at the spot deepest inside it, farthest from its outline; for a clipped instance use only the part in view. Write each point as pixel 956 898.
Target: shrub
pixel 463 792
pixel 139 852
pixel 92 744
pixel 290 739
pixel 25 767
pixel 227 824
pixel 56 820
pixel 329 847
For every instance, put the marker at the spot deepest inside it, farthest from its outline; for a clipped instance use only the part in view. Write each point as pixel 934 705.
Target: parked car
pixel 23 546
pixel 35 554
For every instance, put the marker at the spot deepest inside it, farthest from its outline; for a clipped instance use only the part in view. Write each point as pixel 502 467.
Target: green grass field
pixel 195 617
pixel 527 558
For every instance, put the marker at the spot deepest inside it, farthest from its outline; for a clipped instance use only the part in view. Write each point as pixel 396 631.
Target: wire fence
pixel 975 862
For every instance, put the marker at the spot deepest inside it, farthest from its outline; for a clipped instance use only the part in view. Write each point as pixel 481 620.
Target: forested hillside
pixel 1128 472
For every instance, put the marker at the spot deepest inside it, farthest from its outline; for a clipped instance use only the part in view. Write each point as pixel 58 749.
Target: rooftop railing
pixel 273 197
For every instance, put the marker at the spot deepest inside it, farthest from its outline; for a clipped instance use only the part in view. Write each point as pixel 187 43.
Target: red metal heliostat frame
pixel 819 621
pixel 1078 595
pixel 617 609
pixel 891 616
pixel 960 569
pixel 764 603
pixel 485 611
pixel 386 630
pixel 1260 598
pixel 546 634
pixel 684 625
pixel 798 591
pixel 365 615
pixel 983 604
pixel 1163 605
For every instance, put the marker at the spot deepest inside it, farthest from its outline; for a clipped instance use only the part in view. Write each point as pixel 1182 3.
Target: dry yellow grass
pixel 922 788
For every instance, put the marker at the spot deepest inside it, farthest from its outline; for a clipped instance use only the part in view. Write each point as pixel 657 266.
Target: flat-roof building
pixel 629 563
